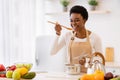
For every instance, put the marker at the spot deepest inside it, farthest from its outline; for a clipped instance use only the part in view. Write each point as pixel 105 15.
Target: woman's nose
pixel 74 23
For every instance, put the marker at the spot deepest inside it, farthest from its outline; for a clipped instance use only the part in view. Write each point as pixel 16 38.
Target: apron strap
pixel 69 49
pixel 88 40
pixel 87 36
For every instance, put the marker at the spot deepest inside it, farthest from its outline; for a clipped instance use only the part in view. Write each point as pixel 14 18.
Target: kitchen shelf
pixel 99 12
pixel 56 13
pixel 90 12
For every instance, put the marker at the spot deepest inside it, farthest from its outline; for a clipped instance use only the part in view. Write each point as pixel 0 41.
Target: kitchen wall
pixel 106 25
pixel 17 31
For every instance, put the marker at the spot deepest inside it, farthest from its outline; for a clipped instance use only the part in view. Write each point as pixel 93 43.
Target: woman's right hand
pixel 58 29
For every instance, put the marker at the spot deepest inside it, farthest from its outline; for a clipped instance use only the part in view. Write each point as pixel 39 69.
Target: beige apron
pixel 79 48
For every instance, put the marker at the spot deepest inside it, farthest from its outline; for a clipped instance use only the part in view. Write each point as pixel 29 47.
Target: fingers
pixel 58 28
pixel 82 61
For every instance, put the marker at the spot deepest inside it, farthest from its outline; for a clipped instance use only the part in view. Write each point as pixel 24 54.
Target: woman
pixel 79 42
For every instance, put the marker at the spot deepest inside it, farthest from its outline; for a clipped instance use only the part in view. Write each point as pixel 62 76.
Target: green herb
pixel 93 2
pixel 65 3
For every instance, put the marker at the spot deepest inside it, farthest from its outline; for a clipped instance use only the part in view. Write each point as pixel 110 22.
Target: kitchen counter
pixel 112 64
pixel 63 76
pixel 52 76
pixel 113 67
pixel 56 76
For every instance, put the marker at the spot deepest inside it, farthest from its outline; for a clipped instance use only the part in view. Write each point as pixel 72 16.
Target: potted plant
pixel 65 4
pixel 93 4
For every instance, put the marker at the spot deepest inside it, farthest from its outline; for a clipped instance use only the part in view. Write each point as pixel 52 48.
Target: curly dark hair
pixel 80 10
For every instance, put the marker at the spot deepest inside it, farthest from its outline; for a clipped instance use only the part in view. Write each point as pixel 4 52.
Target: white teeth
pixel 74 27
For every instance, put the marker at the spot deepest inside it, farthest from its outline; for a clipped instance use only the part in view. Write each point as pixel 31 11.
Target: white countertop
pixel 56 76
pixel 63 76
pixel 52 76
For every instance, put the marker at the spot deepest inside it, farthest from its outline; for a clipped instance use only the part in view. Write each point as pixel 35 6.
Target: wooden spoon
pixel 61 25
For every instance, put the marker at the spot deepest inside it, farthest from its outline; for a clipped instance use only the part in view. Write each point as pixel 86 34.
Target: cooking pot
pixel 72 68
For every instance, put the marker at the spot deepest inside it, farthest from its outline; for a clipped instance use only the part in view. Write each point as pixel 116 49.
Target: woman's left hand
pixel 82 61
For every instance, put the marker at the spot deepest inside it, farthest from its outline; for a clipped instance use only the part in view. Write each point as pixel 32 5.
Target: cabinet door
pixel 115 71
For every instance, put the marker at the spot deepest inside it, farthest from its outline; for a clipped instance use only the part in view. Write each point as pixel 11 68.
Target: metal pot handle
pixel 100 55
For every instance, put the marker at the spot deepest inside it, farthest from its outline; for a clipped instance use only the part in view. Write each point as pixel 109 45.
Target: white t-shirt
pixel 64 40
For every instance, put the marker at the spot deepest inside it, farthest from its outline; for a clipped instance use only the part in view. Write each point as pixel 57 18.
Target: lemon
pixel 17 70
pixel 16 75
pixel 23 71
pixel 9 74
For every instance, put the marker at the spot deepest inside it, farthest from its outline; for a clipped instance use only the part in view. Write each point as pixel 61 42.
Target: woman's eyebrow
pixel 77 18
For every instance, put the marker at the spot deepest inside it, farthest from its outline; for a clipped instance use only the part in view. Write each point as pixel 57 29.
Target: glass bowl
pixel 24 64
pixel 72 69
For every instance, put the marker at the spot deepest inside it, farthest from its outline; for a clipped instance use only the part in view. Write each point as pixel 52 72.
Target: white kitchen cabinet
pixel 44 61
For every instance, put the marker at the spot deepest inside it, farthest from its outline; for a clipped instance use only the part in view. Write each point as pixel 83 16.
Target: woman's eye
pixel 74 20
pixel 71 20
pixel 77 20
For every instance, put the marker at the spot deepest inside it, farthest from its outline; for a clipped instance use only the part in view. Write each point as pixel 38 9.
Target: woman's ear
pixel 85 21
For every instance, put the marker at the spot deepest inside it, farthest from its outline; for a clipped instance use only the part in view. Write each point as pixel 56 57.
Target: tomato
pixel 2 75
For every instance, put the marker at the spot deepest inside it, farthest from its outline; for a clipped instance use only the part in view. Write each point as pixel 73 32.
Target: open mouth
pixel 75 27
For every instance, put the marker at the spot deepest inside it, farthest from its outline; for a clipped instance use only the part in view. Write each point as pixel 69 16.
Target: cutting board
pixel 109 54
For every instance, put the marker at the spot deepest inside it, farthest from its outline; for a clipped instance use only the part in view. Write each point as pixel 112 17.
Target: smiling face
pixel 77 22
